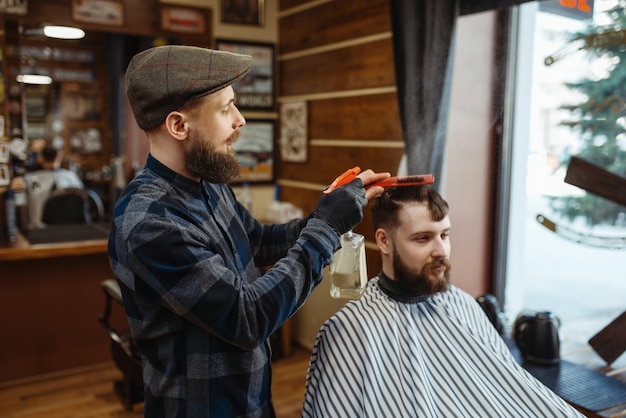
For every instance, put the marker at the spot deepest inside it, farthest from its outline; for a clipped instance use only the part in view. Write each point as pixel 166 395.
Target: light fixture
pixel 55 31
pixel 33 79
pixel 63 32
pixel 30 73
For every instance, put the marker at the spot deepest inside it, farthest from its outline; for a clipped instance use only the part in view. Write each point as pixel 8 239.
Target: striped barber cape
pixel 436 357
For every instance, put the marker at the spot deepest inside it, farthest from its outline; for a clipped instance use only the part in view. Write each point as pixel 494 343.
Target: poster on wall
pixel 256 91
pixel 255 150
pixel 102 12
pixel 181 19
pixel 243 12
pixel 86 141
pixel 293 132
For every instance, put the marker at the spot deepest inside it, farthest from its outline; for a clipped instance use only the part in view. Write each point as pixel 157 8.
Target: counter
pixel 51 300
pixel 89 239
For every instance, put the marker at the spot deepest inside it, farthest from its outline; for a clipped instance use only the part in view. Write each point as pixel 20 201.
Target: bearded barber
pixel 185 252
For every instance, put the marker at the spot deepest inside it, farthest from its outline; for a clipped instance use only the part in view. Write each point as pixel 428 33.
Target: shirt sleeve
pixel 207 284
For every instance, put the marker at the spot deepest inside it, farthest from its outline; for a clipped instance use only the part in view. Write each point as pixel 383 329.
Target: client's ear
pixel 383 240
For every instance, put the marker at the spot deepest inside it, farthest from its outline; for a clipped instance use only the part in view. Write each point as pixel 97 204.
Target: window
pixel 569 101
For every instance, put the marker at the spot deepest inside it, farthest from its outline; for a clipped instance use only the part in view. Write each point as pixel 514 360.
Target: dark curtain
pixel 423 42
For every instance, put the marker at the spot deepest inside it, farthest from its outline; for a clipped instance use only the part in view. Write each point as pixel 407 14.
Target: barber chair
pixel 125 353
pixel 96 207
pixel 66 206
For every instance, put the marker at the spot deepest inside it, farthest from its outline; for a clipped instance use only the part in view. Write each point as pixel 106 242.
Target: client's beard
pixel 427 281
pixel 204 161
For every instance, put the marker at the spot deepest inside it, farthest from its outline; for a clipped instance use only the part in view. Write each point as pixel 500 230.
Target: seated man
pixel 41 183
pixel 415 345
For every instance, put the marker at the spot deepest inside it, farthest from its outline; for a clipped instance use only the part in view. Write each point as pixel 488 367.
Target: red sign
pixel 575 9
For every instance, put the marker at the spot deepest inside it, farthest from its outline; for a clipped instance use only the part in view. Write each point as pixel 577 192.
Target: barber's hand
pixel 342 208
pixel 369 177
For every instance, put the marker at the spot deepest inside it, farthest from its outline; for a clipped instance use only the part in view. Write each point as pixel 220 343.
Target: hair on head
pixel 386 207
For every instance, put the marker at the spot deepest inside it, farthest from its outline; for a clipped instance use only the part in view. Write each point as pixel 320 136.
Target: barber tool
pixel 396 181
pixel 345 178
pixel 416 180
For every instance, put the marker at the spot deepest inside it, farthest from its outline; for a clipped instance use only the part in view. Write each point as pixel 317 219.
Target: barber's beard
pixel 205 161
pixel 428 281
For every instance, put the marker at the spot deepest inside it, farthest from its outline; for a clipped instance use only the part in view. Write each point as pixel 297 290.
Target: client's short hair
pixel 385 208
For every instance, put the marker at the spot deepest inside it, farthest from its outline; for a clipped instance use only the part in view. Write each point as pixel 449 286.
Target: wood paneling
pixel 372 117
pixel 326 162
pixel 332 22
pixel 288 4
pixel 49 315
pixel 357 67
pixel 338 57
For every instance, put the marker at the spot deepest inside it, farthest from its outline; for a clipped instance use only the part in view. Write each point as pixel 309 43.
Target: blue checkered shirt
pixel 186 254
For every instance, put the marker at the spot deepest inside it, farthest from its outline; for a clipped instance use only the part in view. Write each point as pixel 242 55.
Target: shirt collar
pixel 396 291
pixel 171 176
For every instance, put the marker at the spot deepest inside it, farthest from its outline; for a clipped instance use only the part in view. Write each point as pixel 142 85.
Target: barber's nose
pixel 240 121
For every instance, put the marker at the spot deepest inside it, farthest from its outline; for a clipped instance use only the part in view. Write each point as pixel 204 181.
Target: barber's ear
pixel 176 125
pixel 383 241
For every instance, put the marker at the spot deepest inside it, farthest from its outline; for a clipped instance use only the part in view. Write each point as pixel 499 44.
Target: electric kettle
pixel 537 336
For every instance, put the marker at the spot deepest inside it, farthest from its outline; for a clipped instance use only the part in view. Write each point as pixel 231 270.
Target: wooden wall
pixel 338 58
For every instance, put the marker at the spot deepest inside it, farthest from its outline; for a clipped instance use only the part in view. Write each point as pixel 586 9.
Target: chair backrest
pixel 66 206
pixel 96 207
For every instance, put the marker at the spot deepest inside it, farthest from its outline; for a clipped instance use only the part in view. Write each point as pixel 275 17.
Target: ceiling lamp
pixel 55 31
pixel 63 32
pixel 33 79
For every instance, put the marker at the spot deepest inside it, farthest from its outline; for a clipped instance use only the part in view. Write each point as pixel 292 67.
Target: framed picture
pixel 5 175
pixel 86 141
pixel 183 19
pixel 293 132
pixel 243 12
pixel 101 12
pixel 255 149
pixel 82 106
pixel 5 152
pixel 256 91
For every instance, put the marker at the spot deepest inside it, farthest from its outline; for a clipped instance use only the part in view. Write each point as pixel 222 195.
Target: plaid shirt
pixel 185 255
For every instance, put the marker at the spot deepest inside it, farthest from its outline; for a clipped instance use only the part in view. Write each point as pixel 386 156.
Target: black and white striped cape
pixel 378 357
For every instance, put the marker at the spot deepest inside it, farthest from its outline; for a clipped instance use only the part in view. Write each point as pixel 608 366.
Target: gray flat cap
pixel 165 78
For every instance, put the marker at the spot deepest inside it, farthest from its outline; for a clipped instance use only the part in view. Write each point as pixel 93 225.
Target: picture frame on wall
pixel 101 12
pixel 5 175
pixel 257 90
pixel 243 12
pixel 5 152
pixel 183 19
pixel 294 132
pixel 86 141
pixel 256 151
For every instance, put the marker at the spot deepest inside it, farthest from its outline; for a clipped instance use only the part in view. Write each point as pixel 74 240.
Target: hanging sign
pixel 575 9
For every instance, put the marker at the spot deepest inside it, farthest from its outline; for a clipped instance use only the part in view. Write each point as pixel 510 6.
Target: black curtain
pixel 423 42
